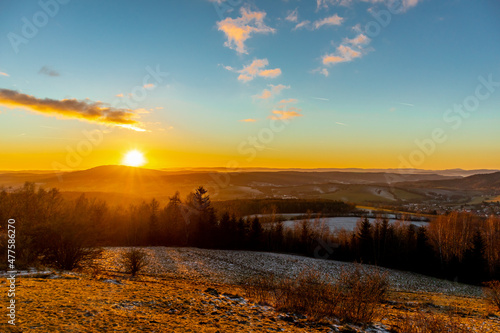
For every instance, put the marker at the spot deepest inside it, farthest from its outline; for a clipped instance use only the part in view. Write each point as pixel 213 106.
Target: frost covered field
pixel 232 267
pixel 196 290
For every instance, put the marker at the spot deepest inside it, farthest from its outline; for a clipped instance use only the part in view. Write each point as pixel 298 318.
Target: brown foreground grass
pixel 117 303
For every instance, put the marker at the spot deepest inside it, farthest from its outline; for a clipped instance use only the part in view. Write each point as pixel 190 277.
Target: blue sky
pixel 348 97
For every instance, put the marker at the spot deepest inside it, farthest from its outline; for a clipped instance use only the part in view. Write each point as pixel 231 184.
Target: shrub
pixel 353 297
pixel 311 294
pixel 262 288
pixel 492 292
pixel 361 292
pixel 133 260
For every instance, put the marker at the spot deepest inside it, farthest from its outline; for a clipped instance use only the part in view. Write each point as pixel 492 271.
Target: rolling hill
pixel 124 184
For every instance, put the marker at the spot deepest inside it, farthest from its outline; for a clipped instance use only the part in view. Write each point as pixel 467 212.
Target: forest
pixel 54 231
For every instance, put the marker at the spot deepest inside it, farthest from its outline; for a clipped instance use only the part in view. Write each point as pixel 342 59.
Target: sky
pixel 235 83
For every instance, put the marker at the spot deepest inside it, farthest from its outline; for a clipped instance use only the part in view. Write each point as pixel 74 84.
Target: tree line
pixel 64 233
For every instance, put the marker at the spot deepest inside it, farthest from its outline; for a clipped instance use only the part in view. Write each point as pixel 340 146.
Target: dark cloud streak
pixel 86 110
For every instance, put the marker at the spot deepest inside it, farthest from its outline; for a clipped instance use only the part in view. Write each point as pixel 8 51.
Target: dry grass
pixel 492 292
pixel 432 322
pixel 354 297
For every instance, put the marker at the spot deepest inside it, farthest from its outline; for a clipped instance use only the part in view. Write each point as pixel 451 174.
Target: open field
pixel 173 296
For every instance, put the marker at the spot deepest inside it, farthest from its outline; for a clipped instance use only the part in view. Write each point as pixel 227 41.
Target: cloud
pixel 347 51
pixel 148 86
pixel 288 114
pixel 46 70
pixel 320 98
pixel 271 73
pixel 344 54
pixel 283 111
pixel 332 20
pixel 287 101
pixel 407 104
pixel 228 68
pixel 256 68
pixel 4 74
pixel 303 24
pixel 249 120
pixel 342 124
pixel 323 4
pixel 405 4
pixel 95 112
pixel 119 95
pixel 238 30
pixel 275 90
pixel 322 71
pixel 332 59
pixel 358 40
pixel 293 16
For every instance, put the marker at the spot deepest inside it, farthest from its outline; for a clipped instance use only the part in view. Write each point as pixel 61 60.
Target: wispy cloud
pixel 290 113
pixel 322 71
pixel 46 70
pixel 407 104
pixel 119 95
pixel 332 20
pixel 272 91
pixel 4 74
pixel 341 124
pixel 283 111
pixel 320 98
pixel 249 120
pixel 325 4
pixel 293 16
pixel 271 73
pixel 359 40
pixel 287 101
pixel 256 68
pixel 239 30
pixel 95 112
pixel 303 24
pixel 349 50
pixel 344 53
pixel 148 86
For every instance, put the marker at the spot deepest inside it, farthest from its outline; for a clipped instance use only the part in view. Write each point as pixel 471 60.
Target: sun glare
pixel 134 158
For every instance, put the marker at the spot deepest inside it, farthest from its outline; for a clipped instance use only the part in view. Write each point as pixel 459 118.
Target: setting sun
pixel 134 158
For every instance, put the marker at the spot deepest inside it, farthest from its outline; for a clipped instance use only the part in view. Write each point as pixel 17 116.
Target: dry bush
pixel 311 294
pixel 361 293
pixel 262 288
pixel 133 260
pixel 354 297
pixel 492 292
pixel 430 323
